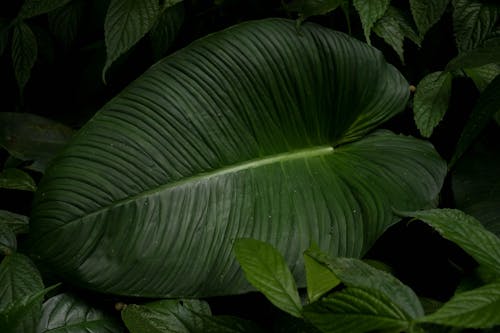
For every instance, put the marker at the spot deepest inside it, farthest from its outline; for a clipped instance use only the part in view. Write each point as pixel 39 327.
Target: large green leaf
pixel 68 314
pixel 473 20
pixel 266 269
pixel 247 133
pixel 477 308
pixel 356 310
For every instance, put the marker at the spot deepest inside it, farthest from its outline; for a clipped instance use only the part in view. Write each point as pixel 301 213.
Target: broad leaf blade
pixel 24 53
pixel 127 21
pixel 30 137
pixel 487 105
pixel 31 8
pixel 466 232
pixel 478 308
pixel 473 20
pixel 369 13
pixel 266 269
pixel 356 310
pixel 210 146
pixel 427 12
pixel 431 101
pixel 16 179
pixel 355 273
pixel 388 28
pixel 66 313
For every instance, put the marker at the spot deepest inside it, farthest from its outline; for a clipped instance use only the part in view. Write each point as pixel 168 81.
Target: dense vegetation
pixel 163 158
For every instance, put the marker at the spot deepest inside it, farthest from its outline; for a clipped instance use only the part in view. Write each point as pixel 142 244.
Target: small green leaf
pixel 16 179
pixel 8 242
pixel 400 22
pixel 127 21
pixel 466 232
pixel 266 269
pixel 478 308
pixel 20 286
pixel 33 8
pixel 64 21
pixel 165 29
pixel 24 53
pixel 369 13
pixel 356 310
pixel 181 316
pixel 319 278
pixel 473 21
pixel 487 105
pixel 482 76
pixel 389 29
pixel 355 273
pixel 427 12
pixel 68 314
pixel 22 315
pixel 475 58
pixel 431 101
pixel 19 224
pixel 30 137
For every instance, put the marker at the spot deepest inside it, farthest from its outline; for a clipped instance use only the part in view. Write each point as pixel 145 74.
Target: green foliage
pixel 31 8
pixel 369 13
pixel 24 53
pixel 319 278
pixel 427 12
pixel 8 242
pixel 16 222
pixel 17 180
pixel 431 101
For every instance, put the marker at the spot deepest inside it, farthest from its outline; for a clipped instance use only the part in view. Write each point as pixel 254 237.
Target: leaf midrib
pixel 249 164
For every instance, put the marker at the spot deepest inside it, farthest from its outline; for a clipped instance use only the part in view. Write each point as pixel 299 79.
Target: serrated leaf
pixel 165 29
pixel 369 13
pixel 431 101
pixel 319 278
pixel 66 313
pixel 17 223
pixel 195 153
pixel 15 179
pixel 483 75
pixel 406 25
pixel 476 185
pixel 266 269
pixel 466 232
pixel 20 281
pixel 127 21
pixel 427 12
pixel 475 58
pixel 22 315
pixel 357 310
pixel 181 316
pixel 31 8
pixel 389 30
pixel 8 242
pixel 478 308
pixel 30 137
pixel 64 21
pixel 487 105
pixel 355 273
pixel 24 53
pixel 473 20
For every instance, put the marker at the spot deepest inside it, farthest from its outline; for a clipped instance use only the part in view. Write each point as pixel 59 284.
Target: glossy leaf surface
pixel 252 132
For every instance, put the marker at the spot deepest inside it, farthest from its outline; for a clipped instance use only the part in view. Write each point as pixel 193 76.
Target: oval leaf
pixel 66 313
pixel 478 308
pixel 427 12
pixel 431 101
pixel 165 29
pixel 210 146
pixel 16 179
pixel 127 21
pixel 266 269
pixel 24 53
pixel 369 13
